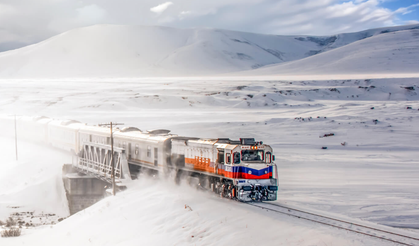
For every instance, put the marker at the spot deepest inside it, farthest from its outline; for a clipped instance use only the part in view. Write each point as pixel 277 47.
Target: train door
pixel 228 158
pixel 220 157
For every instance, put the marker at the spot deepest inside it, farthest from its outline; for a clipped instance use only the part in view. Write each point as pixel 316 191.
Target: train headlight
pixel 249 172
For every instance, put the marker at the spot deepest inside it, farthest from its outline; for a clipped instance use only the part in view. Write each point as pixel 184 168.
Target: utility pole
pixel 14 115
pixel 112 155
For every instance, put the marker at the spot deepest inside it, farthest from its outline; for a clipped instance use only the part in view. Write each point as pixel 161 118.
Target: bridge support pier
pixel 82 190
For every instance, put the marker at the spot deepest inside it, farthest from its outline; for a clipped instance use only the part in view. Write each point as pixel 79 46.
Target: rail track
pixel 341 224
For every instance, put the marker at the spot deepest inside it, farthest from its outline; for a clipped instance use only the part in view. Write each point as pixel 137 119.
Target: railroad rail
pixel 341 224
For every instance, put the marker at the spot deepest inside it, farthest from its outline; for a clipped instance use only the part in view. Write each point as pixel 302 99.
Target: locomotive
pixel 241 169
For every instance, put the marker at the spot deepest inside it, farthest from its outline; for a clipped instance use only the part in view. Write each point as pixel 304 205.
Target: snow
pixel 362 87
pixel 372 178
pixel 388 53
pixel 32 184
pixel 155 213
pixel 112 51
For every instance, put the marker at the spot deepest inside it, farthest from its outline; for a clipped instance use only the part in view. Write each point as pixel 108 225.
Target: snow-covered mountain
pixel 141 51
pixel 395 52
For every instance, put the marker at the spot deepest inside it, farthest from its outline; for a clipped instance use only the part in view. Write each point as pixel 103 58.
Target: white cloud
pixel 406 10
pixel 184 14
pixel 91 13
pixel 6 9
pixel 81 16
pixel 161 7
pixel 28 21
pixel 166 20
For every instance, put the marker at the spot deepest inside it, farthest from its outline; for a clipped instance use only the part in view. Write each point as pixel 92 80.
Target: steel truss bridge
pixel 95 159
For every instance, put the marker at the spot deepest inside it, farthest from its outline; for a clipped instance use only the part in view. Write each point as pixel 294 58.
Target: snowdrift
pixel 159 213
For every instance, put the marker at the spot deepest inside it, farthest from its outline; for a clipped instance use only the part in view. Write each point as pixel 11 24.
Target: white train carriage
pixel 149 149
pixel 242 169
pixel 95 134
pixel 65 134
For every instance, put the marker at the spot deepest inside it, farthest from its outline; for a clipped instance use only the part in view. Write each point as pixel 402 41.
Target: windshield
pixel 252 155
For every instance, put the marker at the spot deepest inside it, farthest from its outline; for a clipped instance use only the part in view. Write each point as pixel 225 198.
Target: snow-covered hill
pixel 141 51
pixel 389 53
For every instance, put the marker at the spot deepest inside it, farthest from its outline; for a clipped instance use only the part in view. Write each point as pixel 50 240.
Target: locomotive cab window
pixel 236 158
pixel 252 155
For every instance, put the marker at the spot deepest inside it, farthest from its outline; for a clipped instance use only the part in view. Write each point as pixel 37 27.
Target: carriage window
pixel 148 151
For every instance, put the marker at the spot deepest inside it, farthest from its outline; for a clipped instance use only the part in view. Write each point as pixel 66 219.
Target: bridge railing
pixel 96 159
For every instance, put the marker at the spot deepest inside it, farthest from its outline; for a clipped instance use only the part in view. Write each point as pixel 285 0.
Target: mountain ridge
pixel 391 53
pixel 157 51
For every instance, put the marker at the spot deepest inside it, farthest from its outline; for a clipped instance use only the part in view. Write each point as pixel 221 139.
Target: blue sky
pixel 24 22
pixel 396 4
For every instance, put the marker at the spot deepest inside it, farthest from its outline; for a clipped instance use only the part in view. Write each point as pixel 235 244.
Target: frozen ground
pixel 373 177
pixel 153 212
pixel 31 189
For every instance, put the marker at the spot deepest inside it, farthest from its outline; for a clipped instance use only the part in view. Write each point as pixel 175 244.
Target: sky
pixel 24 22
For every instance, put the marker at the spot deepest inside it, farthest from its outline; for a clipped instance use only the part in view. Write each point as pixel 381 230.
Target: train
pixel 242 169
